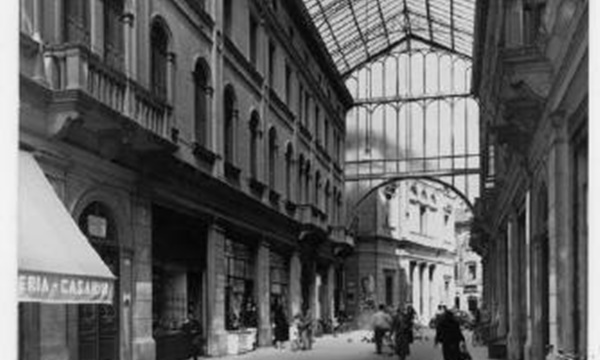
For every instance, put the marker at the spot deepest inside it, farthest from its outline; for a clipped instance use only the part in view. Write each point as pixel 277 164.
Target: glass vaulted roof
pixel 356 32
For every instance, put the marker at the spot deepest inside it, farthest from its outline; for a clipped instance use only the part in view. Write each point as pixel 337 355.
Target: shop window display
pixel 240 304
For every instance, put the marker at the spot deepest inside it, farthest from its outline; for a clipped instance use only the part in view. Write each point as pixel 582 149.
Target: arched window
pixel 300 180
pixel 76 26
pixel 159 44
pixel 289 156
pixel 254 133
pixel 307 182
pixel 272 157
pixel 201 93
pixel 113 33
pixel 327 198
pixel 317 199
pixel 229 123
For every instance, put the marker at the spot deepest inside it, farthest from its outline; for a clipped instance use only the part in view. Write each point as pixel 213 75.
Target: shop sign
pixel 57 288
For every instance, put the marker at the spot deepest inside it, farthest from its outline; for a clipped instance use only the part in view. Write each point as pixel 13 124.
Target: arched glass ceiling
pixel 357 32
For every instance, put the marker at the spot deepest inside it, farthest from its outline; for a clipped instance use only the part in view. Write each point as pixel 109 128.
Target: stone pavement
pixel 349 346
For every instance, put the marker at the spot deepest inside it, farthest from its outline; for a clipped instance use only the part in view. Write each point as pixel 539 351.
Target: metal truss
pixel 357 32
pixel 414 115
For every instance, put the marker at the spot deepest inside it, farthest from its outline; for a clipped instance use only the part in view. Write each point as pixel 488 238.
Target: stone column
pixel 433 291
pixel 416 286
pixel 215 255
pixel 263 294
pixel 143 347
pixel 404 282
pixel 295 298
pixel 561 254
pixel 96 26
pixel 426 291
pixel 330 281
pixel 513 290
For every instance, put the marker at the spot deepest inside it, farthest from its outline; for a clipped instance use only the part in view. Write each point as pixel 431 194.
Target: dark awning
pixel 57 264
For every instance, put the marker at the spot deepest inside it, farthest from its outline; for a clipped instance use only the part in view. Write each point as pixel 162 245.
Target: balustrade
pixel 75 67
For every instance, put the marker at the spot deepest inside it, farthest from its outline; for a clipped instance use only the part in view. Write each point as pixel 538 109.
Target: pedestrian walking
pixel 400 325
pixel 305 328
pixel 448 333
pixel 381 323
pixel 281 328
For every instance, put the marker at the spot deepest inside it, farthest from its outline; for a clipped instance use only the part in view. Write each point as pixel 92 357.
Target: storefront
pixel 63 269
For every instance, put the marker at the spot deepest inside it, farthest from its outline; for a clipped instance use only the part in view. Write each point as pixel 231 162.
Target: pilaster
pixel 144 347
pixel 215 254
pixel 295 301
pixel 560 247
pixel 263 294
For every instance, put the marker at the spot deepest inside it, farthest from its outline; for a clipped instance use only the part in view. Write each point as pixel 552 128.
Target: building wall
pixel 538 78
pixel 104 142
pixel 407 232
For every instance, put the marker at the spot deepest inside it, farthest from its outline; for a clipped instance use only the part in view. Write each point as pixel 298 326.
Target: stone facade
pixel 405 251
pixel 200 128
pixel 531 77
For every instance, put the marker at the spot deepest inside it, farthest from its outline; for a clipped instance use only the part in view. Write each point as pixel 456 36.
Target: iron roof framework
pixel 356 32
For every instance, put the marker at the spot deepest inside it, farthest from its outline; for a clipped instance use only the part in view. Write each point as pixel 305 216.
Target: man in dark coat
pixel 448 333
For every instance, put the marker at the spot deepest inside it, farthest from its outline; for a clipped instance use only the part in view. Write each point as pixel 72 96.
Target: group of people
pixel 400 328
pixel 299 334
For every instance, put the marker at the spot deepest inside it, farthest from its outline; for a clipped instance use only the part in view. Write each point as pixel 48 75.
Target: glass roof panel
pixel 358 31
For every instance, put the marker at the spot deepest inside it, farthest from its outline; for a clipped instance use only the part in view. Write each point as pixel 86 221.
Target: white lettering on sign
pixel 34 286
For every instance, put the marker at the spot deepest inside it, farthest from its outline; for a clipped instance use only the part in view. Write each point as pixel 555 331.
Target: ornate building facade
pixel 405 250
pixel 197 144
pixel 531 77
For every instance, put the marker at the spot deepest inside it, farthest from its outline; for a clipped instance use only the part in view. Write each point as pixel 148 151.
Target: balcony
pixel 343 243
pixel 105 102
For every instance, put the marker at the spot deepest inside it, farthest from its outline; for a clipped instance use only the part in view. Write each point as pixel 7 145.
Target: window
pixel 288 85
pixel 240 305
pixel 327 198
pixel 271 64
pixel 389 287
pixel 316 199
pixel 279 279
pixel 227 17
pixel 272 157
pixel 299 182
pixel 253 41
pixel 76 26
pixel 472 271
pixel 289 156
pixel 254 123
pixel 229 123
pixel 113 33
pixel 317 124
pixel 533 12
pixel 158 60
pixel 300 103
pixel 422 219
pixel 306 109
pixel 201 102
pixel 307 183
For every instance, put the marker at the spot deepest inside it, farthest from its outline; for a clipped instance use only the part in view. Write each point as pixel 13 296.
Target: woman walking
pixel 448 333
pixel 401 329
pixel 281 326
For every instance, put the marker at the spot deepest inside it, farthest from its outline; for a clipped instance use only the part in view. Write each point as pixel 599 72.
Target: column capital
pixel 128 18
pixel 171 56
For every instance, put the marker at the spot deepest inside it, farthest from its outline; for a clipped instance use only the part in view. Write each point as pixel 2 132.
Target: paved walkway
pixel 349 346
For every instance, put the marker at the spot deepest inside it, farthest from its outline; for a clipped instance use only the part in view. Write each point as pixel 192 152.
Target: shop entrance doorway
pixel 179 290
pixel 98 325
